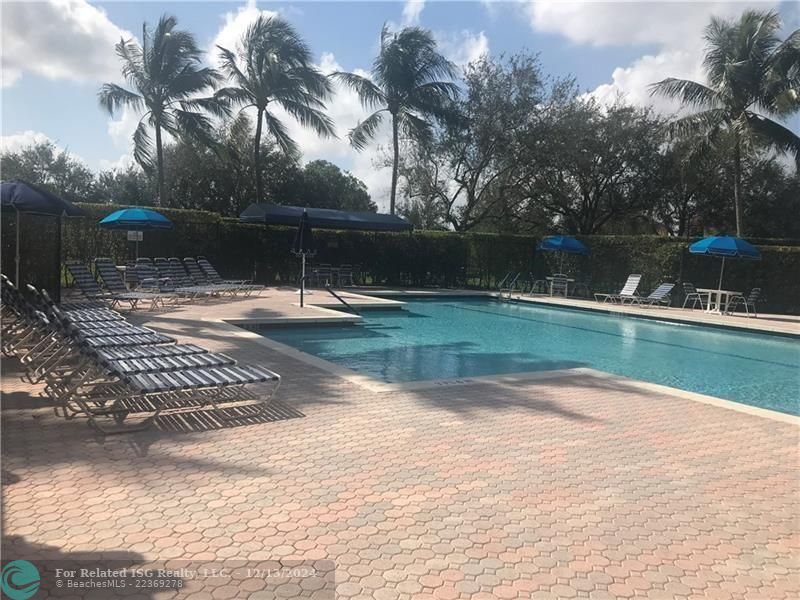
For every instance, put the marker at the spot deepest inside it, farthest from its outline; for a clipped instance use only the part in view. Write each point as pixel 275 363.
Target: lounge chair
pixel 628 291
pixel 199 278
pixel 749 302
pixel 173 272
pixel 245 285
pixel 691 294
pixel 659 296
pixel 106 383
pixel 115 284
pixel 89 287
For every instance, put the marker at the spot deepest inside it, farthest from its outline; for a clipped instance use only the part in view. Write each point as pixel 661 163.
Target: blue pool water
pixel 447 338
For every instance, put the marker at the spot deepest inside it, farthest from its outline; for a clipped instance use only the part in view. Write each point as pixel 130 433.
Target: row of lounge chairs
pixel 159 280
pixel 121 377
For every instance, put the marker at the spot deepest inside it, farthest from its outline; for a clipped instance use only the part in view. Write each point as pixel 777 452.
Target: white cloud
pixel 412 10
pixel 17 141
pixel 235 24
pixel 23 139
pixel 59 39
pixel 121 164
pixel 462 47
pixel 676 29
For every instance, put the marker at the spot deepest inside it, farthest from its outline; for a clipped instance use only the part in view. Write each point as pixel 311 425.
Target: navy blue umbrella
pixel 563 244
pixel 303 245
pixel 725 246
pixel 24 198
pixel 136 219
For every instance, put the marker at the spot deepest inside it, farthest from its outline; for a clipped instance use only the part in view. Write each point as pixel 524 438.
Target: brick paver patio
pixel 560 488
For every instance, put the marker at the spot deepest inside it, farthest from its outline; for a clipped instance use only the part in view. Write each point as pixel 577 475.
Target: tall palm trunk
pixel 160 167
pixel 395 165
pixel 737 186
pixel 257 157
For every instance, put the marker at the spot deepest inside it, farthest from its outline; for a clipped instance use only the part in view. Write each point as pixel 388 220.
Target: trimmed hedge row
pixel 427 258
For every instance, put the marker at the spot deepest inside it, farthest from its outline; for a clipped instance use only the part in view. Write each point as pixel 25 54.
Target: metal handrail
pixel 340 299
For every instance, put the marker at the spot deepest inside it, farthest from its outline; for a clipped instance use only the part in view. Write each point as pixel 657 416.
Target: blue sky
pixel 51 72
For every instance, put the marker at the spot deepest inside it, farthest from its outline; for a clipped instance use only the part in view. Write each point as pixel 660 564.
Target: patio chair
pixel 749 302
pixel 345 275
pixel 582 288
pixel 559 285
pixel 322 274
pixel 628 291
pixel 658 297
pixel 691 294
pixel 114 283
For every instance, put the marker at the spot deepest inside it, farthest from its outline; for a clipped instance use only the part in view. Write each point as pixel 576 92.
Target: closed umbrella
pixel 303 245
pixel 24 198
pixel 136 219
pixel 563 244
pixel 725 247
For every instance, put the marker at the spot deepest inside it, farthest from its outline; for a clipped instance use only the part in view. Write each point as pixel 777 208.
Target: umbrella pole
pixel 16 258
pixel 302 279
pixel 721 273
pixel 561 264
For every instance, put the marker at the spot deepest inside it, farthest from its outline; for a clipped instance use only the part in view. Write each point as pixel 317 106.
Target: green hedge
pixel 427 258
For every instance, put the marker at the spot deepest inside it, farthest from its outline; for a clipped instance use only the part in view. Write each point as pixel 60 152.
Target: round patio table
pixel 718 300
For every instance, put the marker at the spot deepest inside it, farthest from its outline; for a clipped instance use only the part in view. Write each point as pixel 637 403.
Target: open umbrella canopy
pixel 136 219
pixel 304 239
pixel 563 243
pixel 24 197
pixel 725 246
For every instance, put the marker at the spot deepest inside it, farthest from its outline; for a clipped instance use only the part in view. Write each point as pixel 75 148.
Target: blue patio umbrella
pixel 136 219
pixel 564 244
pixel 725 246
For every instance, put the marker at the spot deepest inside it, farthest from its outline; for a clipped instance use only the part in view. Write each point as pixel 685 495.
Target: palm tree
pixel 406 84
pixel 166 76
pixel 272 67
pixel 752 75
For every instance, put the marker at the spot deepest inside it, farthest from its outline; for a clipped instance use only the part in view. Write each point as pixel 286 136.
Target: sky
pixel 55 54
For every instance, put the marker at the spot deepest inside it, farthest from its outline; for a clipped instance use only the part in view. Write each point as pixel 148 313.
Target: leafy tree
pixel 752 76
pixel 407 84
pixel 273 66
pixel 324 185
pixel 166 76
pixel 593 164
pixel 471 168
pixel 130 186
pixel 44 165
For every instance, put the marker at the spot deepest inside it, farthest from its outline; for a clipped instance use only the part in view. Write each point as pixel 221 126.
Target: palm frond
pixel 702 123
pixel 143 147
pixel 687 91
pixel 370 94
pixel 195 126
pixel 112 97
pixel 365 130
pixel 310 117
pixel 212 105
pixel 771 133
pixel 234 96
pixel 415 128
pixel 281 135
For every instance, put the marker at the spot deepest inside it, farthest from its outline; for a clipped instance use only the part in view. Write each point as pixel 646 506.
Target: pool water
pixel 450 338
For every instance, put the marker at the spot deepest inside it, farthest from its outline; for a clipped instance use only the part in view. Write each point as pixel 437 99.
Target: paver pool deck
pixel 564 487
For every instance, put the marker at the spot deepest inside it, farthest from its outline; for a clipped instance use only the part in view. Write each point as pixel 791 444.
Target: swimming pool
pixel 450 338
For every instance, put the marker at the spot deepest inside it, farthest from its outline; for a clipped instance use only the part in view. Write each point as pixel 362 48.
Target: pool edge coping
pixel 377 386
